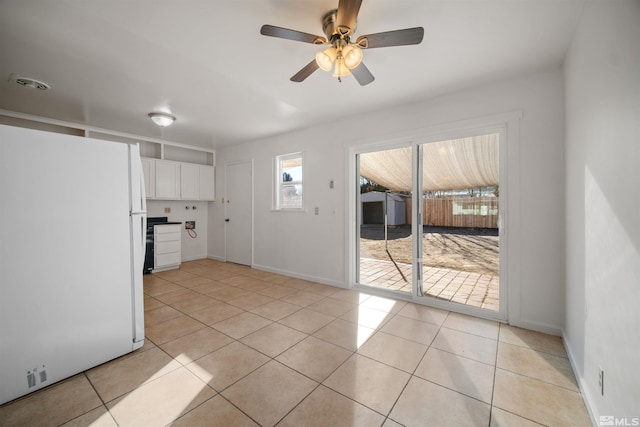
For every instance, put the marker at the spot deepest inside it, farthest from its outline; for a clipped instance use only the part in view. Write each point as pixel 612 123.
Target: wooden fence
pixel 472 212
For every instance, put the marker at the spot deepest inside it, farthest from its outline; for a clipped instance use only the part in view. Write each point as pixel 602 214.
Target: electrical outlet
pixel 189 225
pixel 601 380
pixel 167 210
pixel 317 210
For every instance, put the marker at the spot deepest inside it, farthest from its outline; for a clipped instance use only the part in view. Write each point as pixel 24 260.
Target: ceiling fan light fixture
pixel 341 69
pixel 326 58
pixel 162 119
pixel 343 56
pixel 352 55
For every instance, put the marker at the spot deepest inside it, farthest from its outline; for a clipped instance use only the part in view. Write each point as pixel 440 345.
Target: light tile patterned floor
pixel 231 346
pixel 478 290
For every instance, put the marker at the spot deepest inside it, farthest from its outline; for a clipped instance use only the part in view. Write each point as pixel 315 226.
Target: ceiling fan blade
pixel 391 38
pixel 285 33
pixel 306 71
pixel 362 74
pixel 347 16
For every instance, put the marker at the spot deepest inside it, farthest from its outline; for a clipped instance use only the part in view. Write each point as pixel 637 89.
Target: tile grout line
pixel 258 367
pixel 103 403
pixel 324 298
pixel 495 370
pixel 577 391
pixel 412 375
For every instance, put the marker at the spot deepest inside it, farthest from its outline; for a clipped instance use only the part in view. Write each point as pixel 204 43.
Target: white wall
pixel 296 243
pixel 191 248
pixel 603 205
pixel 314 247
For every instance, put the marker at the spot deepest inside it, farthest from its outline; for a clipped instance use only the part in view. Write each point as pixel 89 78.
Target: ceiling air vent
pixel 29 82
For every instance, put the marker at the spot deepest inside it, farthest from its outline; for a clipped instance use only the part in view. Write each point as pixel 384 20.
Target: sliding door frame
pixel 500 314
pixel 354 239
pixel 508 127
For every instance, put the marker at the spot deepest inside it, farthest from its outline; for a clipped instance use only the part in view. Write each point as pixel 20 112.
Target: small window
pixel 288 190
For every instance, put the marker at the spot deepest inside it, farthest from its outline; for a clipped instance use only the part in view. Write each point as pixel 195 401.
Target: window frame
pixel 279 184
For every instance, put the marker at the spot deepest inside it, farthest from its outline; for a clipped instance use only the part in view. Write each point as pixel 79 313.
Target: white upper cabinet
pixel 171 180
pixel 189 182
pixel 149 172
pixel 207 182
pixel 167 180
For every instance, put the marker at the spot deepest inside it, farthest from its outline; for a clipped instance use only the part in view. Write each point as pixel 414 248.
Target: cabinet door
pixel 149 172
pixel 167 179
pixel 189 182
pixel 207 183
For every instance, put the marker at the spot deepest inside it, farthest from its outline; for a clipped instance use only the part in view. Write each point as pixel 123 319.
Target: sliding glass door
pixel 428 220
pixel 385 238
pixel 459 206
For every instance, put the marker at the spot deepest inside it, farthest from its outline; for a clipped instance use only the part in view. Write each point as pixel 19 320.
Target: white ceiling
pixel 112 62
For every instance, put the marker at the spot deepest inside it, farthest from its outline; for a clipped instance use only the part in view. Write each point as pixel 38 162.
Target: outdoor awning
pixel 447 165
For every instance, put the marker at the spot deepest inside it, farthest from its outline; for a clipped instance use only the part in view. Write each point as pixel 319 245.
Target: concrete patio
pixel 478 290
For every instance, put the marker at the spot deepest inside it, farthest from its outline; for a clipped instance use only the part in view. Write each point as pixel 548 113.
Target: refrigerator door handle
pixel 138 236
pixel 143 193
pixel 143 211
pixel 138 220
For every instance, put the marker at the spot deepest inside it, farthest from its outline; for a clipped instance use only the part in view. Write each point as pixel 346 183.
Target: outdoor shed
pixel 375 204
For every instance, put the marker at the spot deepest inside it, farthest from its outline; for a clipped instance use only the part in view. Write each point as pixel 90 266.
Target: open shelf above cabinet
pixel 149 147
pixel 172 170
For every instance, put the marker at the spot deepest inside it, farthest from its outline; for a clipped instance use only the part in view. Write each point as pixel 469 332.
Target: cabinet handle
pixel 226 220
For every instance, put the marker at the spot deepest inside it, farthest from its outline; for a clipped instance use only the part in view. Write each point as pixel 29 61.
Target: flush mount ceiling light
pixel 344 57
pixel 29 82
pixel 162 119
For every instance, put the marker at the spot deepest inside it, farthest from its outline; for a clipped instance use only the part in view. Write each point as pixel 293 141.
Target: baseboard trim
pixel 536 326
pixel 193 258
pixel 295 275
pixel 586 396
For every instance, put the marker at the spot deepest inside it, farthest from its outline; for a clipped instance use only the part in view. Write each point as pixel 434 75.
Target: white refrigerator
pixel 72 236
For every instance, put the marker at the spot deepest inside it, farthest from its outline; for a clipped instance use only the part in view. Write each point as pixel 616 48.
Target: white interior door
pixel 239 213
